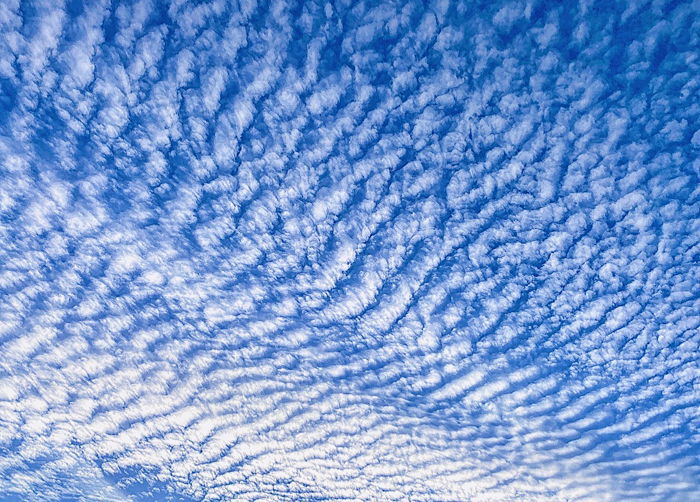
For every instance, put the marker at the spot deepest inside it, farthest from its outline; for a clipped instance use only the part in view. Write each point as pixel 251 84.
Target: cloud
pixel 294 250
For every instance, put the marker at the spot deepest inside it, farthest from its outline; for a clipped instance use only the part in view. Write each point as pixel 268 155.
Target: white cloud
pixel 342 251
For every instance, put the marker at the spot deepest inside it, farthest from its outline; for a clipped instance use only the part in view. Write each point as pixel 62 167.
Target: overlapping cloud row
pixel 349 251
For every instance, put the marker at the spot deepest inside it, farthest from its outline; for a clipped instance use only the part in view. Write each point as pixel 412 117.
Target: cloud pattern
pixel 352 250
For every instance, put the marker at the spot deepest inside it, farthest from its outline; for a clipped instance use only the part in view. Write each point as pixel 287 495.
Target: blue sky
pixel 354 250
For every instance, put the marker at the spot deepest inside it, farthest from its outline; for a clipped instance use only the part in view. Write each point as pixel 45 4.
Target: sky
pixel 350 250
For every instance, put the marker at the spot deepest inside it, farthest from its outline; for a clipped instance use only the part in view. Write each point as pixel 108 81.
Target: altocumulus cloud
pixel 349 250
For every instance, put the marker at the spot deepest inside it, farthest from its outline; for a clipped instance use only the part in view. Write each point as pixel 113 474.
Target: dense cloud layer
pixel 349 250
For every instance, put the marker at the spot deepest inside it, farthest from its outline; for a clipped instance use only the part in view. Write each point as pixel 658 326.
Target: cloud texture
pixel 355 250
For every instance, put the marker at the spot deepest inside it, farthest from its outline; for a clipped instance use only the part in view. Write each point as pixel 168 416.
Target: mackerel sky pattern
pixel 349 250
